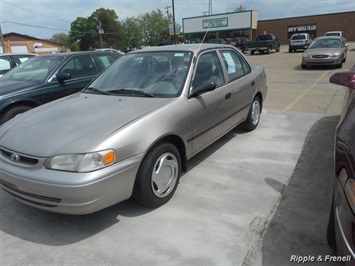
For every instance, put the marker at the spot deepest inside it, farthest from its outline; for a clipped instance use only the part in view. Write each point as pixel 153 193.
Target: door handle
pixel 228 95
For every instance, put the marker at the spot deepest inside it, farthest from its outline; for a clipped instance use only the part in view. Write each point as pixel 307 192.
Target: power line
pixel 36 12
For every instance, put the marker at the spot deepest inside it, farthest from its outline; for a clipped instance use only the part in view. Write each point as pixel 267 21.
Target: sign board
pixel 221 22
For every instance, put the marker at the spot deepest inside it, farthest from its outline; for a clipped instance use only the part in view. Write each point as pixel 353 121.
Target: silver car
pixel 132 130
pixel 326 50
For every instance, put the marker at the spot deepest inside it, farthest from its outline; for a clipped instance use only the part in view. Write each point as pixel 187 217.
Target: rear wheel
pixel 158 176
pixel 254 115
pixel 11 113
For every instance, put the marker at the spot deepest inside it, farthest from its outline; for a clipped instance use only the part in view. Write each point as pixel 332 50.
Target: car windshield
pixel 145 74
pixel 34 70
pixel 326 43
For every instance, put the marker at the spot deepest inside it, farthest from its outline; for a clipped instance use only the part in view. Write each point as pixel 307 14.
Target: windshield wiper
pixel 97 91
pixel 131 92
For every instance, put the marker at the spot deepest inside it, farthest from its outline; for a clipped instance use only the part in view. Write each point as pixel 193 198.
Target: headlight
pixel 306 56
pixel 81 162
pixel 336 55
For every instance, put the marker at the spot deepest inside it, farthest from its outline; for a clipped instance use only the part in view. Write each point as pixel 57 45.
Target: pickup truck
pixel 264 44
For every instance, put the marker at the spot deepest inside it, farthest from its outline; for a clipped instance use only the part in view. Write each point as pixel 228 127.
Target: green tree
pixel 85 31
pixel 108 20
pixel 155 27
pixel 60 38
pixel 132 34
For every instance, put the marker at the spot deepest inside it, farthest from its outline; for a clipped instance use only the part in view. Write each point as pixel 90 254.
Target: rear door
pixel 240 83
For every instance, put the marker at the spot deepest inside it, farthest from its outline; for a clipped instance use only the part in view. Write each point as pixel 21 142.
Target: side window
pixel 79 66
pixel 19 59
pixel 4 64
pixel 235 64
pixel 104 60
pixel 208 69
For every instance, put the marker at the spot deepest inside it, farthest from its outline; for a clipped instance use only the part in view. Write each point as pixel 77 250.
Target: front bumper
pixel 321 61
pixel 68 192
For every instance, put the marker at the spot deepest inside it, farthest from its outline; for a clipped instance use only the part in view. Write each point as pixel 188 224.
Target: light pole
pixel 2 41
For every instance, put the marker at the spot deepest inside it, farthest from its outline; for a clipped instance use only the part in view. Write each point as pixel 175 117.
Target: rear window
pixel 298 37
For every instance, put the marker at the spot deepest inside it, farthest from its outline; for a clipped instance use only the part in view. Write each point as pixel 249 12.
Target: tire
pixel 253 118
pixel 11 113
pixel 278 49
pixel 289 50
pixel 158 176
pixel 268 51
pixel 252 52
pixel 303 66
pixel 340 65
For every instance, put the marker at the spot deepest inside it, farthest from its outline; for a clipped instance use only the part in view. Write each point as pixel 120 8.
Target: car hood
pixel 10 86
pixel 74 124
pixel 314 51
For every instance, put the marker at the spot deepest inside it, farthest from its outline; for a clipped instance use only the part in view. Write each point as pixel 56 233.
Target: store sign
pixel 302 28
pixel 215 23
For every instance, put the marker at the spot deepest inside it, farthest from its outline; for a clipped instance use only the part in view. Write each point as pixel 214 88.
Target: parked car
pixel 132 130
pixel 49 77
pixel 240 42
pixel 326 50
pixel 340 232
pixel 299 41
pixel 264 44
pixel 218 40
pixel 336 33
pixel 167 42
pixel 10 60
pixel 112 50
pixel 193 40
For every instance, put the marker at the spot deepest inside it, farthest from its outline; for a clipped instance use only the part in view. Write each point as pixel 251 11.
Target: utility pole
pixel 2 41
pixel 174 38
pixel 167 10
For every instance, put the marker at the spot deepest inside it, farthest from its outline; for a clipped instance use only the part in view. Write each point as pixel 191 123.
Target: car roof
pixel 2 54
pixel 193 47
pixel 329 38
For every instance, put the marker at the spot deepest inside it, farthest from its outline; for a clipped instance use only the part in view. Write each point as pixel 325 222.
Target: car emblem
pixel 15 157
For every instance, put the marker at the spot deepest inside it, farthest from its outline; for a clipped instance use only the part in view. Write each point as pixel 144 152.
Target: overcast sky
pixel 43 19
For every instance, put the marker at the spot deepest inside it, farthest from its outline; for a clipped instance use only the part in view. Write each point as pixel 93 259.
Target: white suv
pixel 299 41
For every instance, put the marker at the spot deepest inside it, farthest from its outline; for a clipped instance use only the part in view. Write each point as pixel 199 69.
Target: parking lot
pixel 254 198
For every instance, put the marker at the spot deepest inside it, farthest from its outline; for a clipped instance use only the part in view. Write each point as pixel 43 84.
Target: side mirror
pixel 202 88
pixel 61 77
pixel 346 78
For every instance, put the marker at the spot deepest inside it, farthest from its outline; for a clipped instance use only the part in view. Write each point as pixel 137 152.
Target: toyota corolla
pixel 132 130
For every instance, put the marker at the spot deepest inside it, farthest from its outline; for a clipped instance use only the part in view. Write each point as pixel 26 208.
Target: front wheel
pixel 158 176
pixel 14 112
pixel 253 116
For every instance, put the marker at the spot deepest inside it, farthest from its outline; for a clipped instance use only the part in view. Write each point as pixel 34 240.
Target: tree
pixel 132 34
pixel 108 21
pixel 61 38
pixel 85 31
pixel 155 27
pixel 240 8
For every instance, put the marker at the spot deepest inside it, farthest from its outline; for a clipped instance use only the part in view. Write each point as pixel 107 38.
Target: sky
pixel 43 19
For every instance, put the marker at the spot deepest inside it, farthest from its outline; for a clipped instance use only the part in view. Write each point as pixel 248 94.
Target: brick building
pixel 283 28
pixel 19 43
pixel 315 25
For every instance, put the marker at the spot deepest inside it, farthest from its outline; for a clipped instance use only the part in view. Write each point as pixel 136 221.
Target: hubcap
pixel 164 175
pixel 255 114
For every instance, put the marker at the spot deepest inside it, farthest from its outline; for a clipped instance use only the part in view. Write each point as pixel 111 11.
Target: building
pixel 18 43
pixel 244 24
